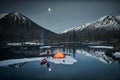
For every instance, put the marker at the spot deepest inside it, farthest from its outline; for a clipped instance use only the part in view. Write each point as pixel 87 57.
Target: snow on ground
pixel 106 47
pixel 117 54
pixel 15 61
pixel 23 43
pixel 66 60
pixel 42 47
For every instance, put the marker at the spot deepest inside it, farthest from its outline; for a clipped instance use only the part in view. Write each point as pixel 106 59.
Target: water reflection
pixel 18 62
pixel 17 65
pixel 104 54
pixel 48 66
pixel 82 61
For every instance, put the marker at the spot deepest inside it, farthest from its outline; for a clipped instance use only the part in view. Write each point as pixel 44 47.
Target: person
pixel 47 52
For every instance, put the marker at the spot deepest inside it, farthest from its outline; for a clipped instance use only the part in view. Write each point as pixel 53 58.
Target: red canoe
pixel 43 61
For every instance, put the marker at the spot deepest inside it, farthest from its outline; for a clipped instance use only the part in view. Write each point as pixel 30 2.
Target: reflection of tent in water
pixel 58 55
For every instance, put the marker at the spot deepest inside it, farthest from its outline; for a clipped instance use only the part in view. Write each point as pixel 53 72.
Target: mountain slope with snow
pixel 107 22
pixel 79 28
pixel 118 17
pixel 3 15
pixel 107 27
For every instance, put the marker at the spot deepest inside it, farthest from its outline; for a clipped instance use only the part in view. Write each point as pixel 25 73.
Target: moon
pixel 49 9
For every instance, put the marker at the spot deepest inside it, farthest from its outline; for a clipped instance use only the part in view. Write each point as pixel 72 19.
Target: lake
pixel 81 63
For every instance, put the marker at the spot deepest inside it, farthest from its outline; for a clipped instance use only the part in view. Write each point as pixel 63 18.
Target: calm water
pixel 92 64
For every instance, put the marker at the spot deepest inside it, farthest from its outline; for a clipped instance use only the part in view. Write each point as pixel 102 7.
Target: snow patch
pixel 15 61
pixel 105 47
pixel 118 17
pixel 117 54
pixel 78 28
pixel 3 15
pixel 66 60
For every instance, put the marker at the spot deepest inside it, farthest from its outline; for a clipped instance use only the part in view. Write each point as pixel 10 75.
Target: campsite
pixel 59 39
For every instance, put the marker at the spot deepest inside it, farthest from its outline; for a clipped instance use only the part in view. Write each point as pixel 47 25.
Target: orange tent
pixel 58 55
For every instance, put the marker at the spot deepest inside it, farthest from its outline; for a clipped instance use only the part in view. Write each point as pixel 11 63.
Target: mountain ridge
pixel 104 28
pixel 109 16
pixel 15 26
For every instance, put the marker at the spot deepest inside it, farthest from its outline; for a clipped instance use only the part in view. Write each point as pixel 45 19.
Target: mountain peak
pixel 15 16
pixel 12 13
pixel 15 13
pixel 108 22
pixel 17 27
pixel 109 16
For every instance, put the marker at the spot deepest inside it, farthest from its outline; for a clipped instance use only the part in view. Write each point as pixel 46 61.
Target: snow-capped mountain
pixel 106 22
pixel 107 27
pixel 15 17
pixel 79 28
pixel 15 26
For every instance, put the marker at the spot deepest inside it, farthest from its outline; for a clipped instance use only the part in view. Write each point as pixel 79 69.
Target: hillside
pixel 15 27
pixel 106 28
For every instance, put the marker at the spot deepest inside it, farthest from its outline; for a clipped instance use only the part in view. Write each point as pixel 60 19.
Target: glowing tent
pixel 58 55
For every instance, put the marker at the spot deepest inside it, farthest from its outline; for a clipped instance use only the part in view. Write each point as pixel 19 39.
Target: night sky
pixel 62 14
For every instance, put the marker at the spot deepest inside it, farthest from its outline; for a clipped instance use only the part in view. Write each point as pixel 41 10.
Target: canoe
pixel 43 61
